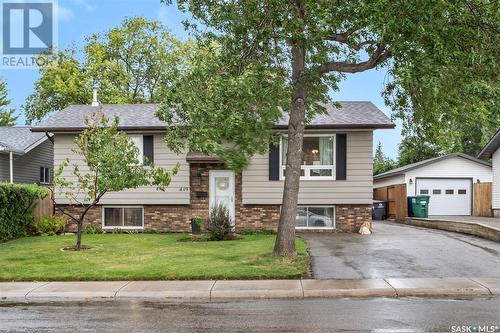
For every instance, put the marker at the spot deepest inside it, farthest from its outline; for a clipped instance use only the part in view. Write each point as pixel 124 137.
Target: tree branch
pixel 381 54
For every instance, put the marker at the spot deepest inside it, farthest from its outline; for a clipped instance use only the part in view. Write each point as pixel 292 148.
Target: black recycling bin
pixel 410 206
pixel 379 210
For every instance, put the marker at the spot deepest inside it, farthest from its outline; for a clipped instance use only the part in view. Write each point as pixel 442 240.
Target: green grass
pixel 147 257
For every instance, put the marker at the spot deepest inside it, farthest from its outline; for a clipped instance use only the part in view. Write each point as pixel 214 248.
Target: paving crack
pixel 302 288
pixel 43 285
pixel 482 285
pixel 211 288
pixel 116 292
pixel 390 285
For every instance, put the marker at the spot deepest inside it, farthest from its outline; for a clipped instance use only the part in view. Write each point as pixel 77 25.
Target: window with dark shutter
pixel 341 157
pixel 148 149
pixel 42 175
pixel 274 162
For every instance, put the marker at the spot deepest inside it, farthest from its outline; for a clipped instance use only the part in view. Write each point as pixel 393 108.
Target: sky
pixel 80 18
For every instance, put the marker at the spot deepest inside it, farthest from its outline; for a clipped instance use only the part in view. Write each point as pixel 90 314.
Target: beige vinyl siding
pixel 496 179
pixel 176 194
pixel 389 181
pixel 356 189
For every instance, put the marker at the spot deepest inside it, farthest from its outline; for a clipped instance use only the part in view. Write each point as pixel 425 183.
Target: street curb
pixel 210 290
pixel 467 228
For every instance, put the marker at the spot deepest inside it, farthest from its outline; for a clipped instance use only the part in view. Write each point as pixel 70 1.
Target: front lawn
pixel 147 257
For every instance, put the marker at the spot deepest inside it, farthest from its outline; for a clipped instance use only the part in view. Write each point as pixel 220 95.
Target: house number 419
pixel 184 189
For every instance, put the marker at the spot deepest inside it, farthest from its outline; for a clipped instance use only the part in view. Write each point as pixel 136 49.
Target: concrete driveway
pixel 395 251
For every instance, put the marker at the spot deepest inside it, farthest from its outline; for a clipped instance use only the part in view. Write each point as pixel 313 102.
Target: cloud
pixel 85 4
pixel 64 14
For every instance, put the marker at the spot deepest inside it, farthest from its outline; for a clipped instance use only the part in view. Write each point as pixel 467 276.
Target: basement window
pixel 316 217
pixel 115 217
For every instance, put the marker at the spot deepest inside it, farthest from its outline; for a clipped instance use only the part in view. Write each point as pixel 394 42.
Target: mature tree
pixel 7 117
pixel 126 63
pixel 415 148
pixel 449 99
pixel 381 162
pixel 113 165
pixel 313 43
pixel 220 105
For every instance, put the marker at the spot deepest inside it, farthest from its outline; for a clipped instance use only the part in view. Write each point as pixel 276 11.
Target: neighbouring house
pixel 25 156
pixel 492 151
pixel 449 181
pixel 335 191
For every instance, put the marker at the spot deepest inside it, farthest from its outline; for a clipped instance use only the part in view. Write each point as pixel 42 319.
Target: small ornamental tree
pixel 113 165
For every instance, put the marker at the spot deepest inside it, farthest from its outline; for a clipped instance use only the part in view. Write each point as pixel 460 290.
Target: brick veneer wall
pixel 349 218
pixel 176 218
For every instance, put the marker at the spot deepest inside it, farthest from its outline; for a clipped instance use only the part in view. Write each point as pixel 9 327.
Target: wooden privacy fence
pixel 482 199
pixel 397 203
pixel 44 207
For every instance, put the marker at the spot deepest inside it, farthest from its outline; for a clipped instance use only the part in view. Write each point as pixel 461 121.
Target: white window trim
pixel 50 175
pixel 140 138
pixel 104 227
pixel 307 168
pixel 320 228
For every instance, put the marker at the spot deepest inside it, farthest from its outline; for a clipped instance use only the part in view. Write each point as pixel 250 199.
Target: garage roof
pixel 404 169
pixel 490 147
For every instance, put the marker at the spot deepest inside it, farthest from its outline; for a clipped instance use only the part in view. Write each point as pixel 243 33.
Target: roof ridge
pixel 411 166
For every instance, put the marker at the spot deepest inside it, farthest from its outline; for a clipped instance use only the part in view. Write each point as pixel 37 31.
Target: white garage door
pixel 449 196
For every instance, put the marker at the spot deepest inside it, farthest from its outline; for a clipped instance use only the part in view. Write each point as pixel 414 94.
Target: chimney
pixel 95 102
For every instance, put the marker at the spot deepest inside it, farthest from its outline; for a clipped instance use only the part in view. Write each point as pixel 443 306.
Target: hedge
pixel 17 203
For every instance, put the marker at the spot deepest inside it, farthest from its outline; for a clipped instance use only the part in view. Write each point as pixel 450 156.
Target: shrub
pixel 53 225
pixel 17 203
pixel 198 220
pixel 218 225
pixel 92 229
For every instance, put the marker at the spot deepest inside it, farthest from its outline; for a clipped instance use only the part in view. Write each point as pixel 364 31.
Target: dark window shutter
pixel 42 175
pixel 47 175
pixel 147 142
pixel 274 162
pixel 341 157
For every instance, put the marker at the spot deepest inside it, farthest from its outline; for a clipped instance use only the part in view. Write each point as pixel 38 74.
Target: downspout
pixel 11 164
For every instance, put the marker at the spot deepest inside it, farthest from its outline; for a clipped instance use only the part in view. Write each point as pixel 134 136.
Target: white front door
pixel 448 196
pixel 222 190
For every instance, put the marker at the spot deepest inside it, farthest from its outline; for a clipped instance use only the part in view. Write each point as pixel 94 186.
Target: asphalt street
pixel 313 315
pixel 401 251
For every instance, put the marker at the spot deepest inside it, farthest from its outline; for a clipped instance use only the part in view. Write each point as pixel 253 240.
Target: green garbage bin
pixel 420 205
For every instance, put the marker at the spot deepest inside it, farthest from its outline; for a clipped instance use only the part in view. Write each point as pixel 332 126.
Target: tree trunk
pixel 285 241
pixel 79 233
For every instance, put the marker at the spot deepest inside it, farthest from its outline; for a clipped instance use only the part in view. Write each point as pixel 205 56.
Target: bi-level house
pixel 335 191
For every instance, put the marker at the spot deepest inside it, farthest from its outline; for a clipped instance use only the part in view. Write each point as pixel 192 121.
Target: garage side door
pixel 448 196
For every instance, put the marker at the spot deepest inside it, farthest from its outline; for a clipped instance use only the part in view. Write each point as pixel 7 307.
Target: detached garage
pixel 457 184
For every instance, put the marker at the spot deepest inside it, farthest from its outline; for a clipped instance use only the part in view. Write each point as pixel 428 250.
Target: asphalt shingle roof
pixel 490 147
pixel 19 139
pixel 408 167
pixel 142 116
